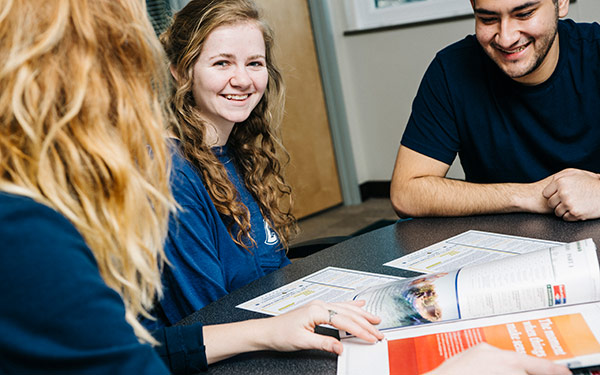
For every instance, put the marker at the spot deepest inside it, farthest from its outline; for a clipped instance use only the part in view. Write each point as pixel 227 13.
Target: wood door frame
pixel 320 15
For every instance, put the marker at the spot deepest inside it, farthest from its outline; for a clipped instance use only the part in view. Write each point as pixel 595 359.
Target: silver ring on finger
pixel 332 313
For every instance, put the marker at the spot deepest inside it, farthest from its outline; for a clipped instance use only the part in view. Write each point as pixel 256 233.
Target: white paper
pixel 565 274
pixel 468 248
pixel 330 284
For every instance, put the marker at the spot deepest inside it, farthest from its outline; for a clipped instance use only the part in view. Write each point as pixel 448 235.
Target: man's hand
pixel 574 194
pixel 486 359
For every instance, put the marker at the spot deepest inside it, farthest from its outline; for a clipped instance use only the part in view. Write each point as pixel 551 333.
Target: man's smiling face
pixel 520 36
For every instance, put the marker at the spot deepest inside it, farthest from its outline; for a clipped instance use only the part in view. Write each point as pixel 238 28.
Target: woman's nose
pixel 240 78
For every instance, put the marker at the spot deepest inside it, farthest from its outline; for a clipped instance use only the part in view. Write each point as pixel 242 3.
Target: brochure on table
pixel 566 334
pixel 533 296
pixel 565 274
pixel 468 248
pixel 330 284
pixel 543 303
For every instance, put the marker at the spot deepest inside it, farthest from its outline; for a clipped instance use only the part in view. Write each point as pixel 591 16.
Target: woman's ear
pixel 173 71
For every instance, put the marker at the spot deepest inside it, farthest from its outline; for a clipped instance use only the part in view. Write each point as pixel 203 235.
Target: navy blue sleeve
pixel 56 313
pixel 182 348
pixel 431 128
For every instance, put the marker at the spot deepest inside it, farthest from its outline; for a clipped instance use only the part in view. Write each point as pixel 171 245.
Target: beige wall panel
pixel 305 130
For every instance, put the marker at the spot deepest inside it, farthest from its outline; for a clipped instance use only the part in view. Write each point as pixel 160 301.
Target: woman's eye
pixel 256 64
pixel 221 63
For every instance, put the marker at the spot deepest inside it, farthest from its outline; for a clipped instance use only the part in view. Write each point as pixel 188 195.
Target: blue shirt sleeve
pixel 182 348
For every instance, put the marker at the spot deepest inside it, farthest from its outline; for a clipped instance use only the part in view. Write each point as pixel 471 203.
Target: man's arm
pixel 420 188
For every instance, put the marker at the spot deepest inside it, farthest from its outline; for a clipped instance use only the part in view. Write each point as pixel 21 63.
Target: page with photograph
pixel 418 300
pixel 560 275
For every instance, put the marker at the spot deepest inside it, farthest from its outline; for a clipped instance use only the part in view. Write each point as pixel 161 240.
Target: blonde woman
pixel 85 200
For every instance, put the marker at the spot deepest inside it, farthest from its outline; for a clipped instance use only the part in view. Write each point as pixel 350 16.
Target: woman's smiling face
pixel 230 75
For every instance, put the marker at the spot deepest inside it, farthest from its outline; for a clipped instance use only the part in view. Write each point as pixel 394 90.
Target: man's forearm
pixel 440 196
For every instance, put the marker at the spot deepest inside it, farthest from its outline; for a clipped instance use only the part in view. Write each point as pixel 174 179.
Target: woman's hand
pixel 486 359
pixel 295 330
pixel 291 331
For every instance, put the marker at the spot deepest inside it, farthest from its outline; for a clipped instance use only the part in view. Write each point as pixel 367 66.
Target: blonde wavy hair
pixel 255 147
pixel 82 131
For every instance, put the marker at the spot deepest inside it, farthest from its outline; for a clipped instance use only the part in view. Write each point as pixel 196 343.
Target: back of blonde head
pixel 81 131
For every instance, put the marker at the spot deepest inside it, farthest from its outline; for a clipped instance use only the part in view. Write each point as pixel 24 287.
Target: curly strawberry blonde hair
pixel 253 142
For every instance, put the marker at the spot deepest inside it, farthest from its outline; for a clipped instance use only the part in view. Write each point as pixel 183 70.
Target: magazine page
pixel 565 334
pixel 331 284
pixel 466 249
pixel 418 300
pixel 561 275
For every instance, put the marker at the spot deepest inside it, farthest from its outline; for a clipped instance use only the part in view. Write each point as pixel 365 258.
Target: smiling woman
pixel 230 77
pixel 228 98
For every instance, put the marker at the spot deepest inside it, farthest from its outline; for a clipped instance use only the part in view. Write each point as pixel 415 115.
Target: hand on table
pixel 295 330
pixel 531 196
pixel 486 359
pixel 574 194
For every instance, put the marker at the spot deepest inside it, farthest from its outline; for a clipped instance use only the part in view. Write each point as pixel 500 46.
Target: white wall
pixel 380 73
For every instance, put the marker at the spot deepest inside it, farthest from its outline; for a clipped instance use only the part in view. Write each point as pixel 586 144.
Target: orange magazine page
pixel 539 337
pixel 568 335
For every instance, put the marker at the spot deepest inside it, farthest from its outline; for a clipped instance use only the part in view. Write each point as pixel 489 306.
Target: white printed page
pixel 562 275
pixel 330 284
pixel 468 248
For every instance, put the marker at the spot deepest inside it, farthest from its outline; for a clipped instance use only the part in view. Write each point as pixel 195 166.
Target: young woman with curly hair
pixel 228 98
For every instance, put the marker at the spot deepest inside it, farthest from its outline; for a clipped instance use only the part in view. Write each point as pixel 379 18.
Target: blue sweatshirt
pixel 56 313
pixel 207 263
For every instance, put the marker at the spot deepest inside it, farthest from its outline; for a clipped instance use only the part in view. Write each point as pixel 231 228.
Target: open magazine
pixel 565 274
pixel 540 303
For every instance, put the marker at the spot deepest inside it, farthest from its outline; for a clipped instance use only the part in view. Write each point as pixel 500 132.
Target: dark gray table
pixel 368 253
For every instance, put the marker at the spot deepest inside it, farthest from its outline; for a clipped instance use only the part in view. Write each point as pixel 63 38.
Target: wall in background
pixel 380 73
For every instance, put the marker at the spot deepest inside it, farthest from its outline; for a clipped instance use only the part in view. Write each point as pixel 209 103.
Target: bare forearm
pixel 226 340
pixel 440 196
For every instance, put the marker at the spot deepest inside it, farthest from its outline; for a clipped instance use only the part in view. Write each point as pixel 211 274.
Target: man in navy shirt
pixel 519 102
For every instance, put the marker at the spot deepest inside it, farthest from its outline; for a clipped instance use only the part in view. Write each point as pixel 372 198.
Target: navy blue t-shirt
pixel 504 131
pixel 206 263
pixel 57 316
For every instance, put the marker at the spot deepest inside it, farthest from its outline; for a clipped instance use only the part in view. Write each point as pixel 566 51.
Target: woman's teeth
pixel 236 97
